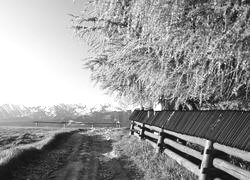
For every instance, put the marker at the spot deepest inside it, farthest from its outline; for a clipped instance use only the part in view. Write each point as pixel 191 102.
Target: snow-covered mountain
pixel 60 111
pixel 11 110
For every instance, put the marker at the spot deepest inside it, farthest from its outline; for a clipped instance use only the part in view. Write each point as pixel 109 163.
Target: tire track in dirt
pixel 74 166
pixel 82 162
pixel 83 155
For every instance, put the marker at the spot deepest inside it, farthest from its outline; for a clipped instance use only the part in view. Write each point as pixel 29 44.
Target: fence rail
pixel 205 158
pixel 64 123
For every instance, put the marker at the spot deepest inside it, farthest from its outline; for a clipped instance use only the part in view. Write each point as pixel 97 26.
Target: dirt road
pixel 81 156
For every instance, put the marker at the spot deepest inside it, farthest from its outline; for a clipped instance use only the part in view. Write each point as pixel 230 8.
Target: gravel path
pixel 81 156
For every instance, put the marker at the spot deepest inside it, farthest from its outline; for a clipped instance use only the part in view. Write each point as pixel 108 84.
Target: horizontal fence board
pixel 65 122
pixel 233 151
pixel 183 148
pixel 50 122
pixel 157 129
pixel 138 123
pixel 182 161
pixel 137 128
pixel 188 138
pixel 231 169
pixel 152 135
pixel 98 123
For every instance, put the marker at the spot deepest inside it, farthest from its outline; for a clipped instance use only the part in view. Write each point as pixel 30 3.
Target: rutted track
pixel 81 156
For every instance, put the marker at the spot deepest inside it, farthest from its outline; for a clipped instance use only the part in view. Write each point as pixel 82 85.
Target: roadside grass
pixel 155 166
pixel 15 136
pixel 15 157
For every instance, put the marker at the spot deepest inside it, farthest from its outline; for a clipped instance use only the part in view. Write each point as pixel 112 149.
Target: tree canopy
pixel 185 52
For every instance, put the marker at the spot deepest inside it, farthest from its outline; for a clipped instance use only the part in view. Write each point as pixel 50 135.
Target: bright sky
pixel 40 59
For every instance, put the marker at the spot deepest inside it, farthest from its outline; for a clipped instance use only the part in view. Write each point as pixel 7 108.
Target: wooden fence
pixel 206 159
pixel 64 123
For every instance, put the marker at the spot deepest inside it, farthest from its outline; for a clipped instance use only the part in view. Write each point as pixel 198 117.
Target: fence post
pixel 206 161
pixel 160 142
pixel 142 135
pixel 118 124
pixel 132 128
pixel 36 124
pixel 150 112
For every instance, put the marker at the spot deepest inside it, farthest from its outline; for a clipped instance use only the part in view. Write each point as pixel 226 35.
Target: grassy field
pixel 16 142
pixel 15 136
pixel 25 123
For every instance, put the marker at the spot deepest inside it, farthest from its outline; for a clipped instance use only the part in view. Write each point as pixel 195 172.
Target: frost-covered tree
pixel 192 54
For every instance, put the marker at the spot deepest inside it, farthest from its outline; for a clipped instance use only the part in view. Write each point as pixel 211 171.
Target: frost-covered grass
pixel 155 166
pixel 22 143
pixel 15 136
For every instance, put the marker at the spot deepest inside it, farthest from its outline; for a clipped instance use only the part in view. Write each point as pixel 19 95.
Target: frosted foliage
pixel 173 50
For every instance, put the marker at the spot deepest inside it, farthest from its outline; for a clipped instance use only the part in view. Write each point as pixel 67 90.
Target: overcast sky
pixel 40 59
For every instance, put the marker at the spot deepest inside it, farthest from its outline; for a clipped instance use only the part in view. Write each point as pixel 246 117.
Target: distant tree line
pixel 183 54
